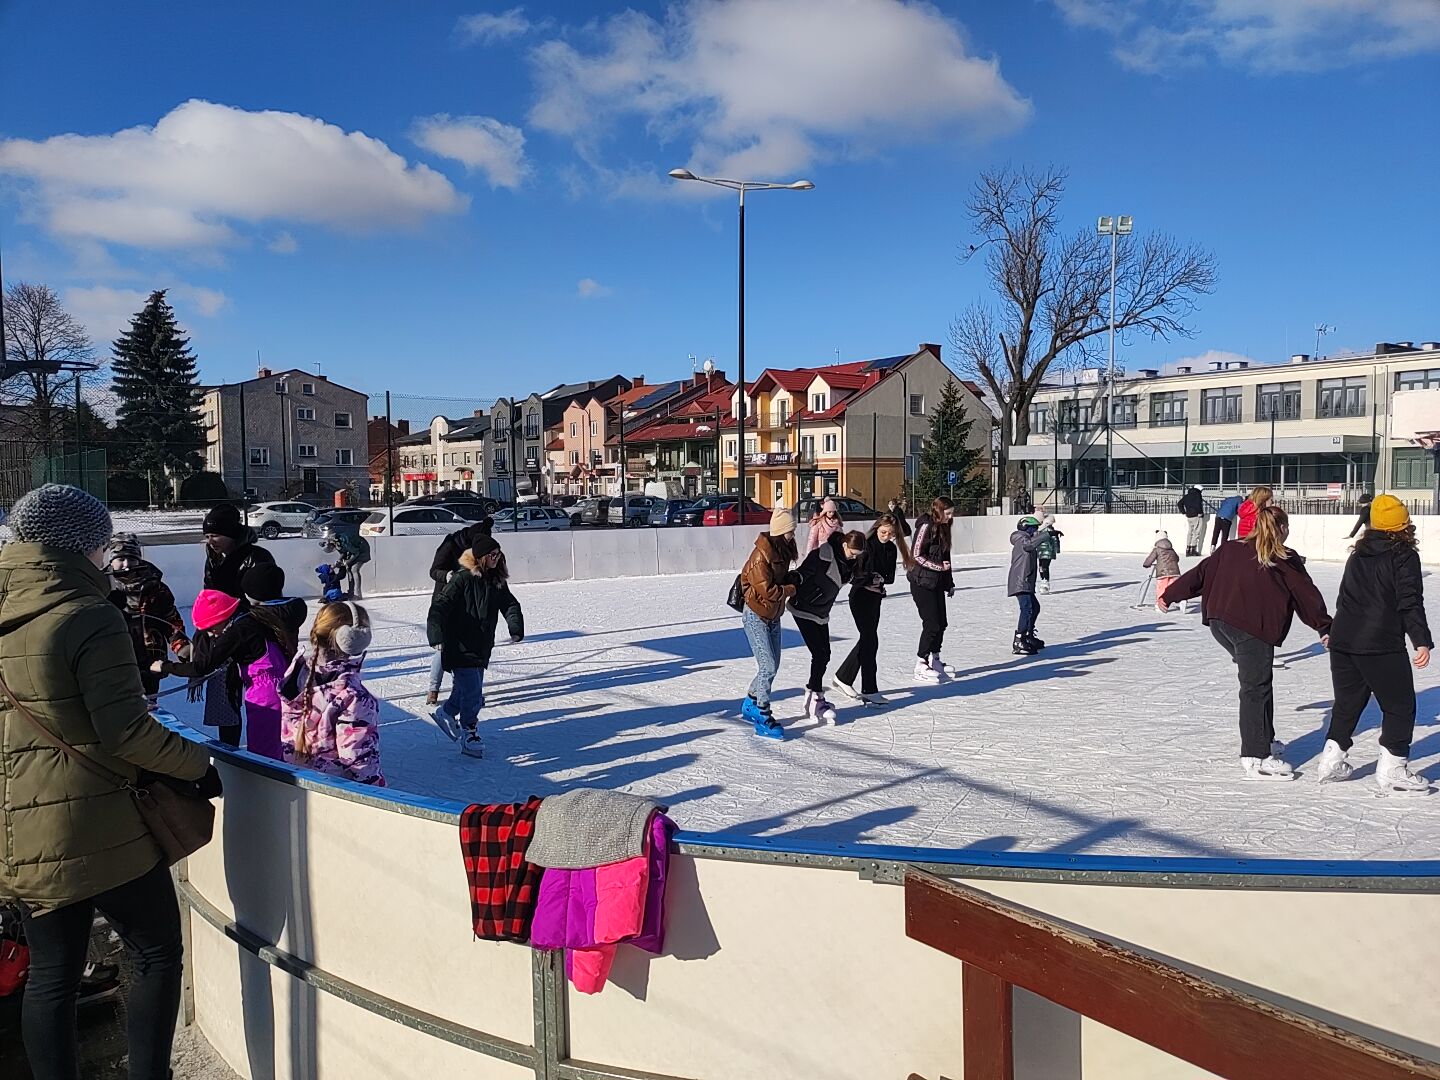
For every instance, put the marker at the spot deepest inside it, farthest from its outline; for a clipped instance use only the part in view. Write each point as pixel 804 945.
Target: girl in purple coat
pixel 329 720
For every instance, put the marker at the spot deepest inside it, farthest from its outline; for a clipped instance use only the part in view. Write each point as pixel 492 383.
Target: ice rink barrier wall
pixel 402 564
pixel 328 934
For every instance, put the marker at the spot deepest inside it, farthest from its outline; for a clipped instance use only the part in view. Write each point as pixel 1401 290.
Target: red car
pixel 728 514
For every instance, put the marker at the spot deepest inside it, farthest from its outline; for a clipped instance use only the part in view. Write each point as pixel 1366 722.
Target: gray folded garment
pixel 588 827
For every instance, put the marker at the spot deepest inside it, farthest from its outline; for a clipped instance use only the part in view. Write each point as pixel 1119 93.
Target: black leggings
pixel 145 915
pixel 865 608
pixel 817 640
pixel 930 603
pixel 1221 532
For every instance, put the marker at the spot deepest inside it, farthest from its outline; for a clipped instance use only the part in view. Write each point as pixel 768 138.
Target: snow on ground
pixel 1120 738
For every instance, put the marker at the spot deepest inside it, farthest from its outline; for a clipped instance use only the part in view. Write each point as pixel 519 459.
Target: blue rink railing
pixel 549 1055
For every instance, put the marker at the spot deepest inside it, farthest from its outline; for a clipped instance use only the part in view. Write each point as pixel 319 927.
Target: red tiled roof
pixel 555 444
pixel 973 387
pixel 667 432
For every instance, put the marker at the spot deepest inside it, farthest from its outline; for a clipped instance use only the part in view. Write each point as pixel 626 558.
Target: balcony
pixel 768 419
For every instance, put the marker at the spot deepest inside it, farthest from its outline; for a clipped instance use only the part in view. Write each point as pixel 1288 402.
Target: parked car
pixel 471 510
pixel 272 518
pixel 639 511
pixel 323 523
pixel 694 514
pixel 413 521
pixel 807 508
pixel 591 511
pixel 532 519
pixel 452 495
pixel 728 513
pixel 673 508
pixel 564 501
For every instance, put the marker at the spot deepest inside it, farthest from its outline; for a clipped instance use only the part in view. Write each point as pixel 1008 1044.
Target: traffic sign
pixel 954 478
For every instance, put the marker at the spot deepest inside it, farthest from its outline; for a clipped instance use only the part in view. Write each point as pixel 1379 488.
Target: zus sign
pixel 1199 449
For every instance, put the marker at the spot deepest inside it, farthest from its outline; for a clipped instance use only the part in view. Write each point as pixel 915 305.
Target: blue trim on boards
pixel 1149 864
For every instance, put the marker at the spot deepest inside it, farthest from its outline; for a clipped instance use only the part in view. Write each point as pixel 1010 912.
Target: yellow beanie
pixel 1388 514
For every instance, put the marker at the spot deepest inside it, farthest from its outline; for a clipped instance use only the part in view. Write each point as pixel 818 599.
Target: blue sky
pixel 470 199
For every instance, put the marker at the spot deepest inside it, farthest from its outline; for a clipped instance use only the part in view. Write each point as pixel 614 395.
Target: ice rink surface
pixel 1120 738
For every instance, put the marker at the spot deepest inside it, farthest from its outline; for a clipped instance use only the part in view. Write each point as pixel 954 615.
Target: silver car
pixel 638 512
pixel 531 519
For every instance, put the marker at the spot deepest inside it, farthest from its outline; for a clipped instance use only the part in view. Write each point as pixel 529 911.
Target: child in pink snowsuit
pixel 1166 562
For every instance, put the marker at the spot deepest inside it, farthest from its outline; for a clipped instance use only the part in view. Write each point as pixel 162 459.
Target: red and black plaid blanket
pixel 503 886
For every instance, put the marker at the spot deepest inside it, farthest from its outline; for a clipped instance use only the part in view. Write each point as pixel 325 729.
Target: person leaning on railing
pixel 75 841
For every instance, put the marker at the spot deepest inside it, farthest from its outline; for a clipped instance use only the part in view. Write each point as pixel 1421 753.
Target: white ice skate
pixel 847 689
pixel 940 667
pixel 449 726
pixel 925 673
pixel 1393 776
pixel 1270 768
pixel 1044 586
pixel 876 698
pixel 817 708
pixel 1333 765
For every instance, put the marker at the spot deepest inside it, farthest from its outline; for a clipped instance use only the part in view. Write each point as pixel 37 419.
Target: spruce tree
pixel 158 426
pixel 945 450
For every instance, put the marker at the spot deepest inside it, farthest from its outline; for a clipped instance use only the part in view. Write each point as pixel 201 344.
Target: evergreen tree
pixel 158 426
pixel 945 450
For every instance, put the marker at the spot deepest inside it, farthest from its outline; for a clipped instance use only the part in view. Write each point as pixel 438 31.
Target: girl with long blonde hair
pixel 1250 593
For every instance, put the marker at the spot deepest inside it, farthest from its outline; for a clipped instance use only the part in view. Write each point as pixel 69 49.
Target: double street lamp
pixel 741 186
pixel 1114 227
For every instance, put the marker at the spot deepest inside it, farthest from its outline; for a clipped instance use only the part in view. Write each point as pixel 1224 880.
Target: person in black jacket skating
pixel 444 566
pixel 1362 515
pixel 461 628
pixel 874 569
pixel 230 553
pixel 1192 505
pixel 1381 602
pixel 824 571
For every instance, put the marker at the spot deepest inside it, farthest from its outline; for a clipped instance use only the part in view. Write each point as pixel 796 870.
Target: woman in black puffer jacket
pixel 1381 601
pixel 823 572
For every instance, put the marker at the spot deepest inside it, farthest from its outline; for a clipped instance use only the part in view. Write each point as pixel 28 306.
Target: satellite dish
pixel 709 365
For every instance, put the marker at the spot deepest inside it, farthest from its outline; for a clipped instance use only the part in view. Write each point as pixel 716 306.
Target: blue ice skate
pixel 765 725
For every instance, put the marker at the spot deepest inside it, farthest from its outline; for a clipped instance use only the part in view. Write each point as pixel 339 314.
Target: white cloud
pixel 590 289
pixel 283 244
pixel 205 171
pixel 487 27
pixel 772 86
pixel 480 143
pixel 106 311
pixel 1264 36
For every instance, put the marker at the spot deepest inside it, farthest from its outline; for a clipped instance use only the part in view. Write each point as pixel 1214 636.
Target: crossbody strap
pixel 60 744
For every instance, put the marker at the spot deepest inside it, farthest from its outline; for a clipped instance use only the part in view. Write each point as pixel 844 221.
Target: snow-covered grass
pixel 1120 738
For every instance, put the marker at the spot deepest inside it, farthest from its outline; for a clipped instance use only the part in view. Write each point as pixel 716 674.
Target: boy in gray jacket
pixel 1025 543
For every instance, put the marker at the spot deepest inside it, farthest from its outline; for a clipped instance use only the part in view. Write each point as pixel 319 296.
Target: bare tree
pixel 1052 293
pixel 43 346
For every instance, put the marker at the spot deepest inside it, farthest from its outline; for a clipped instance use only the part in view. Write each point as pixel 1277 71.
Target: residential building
pixel 854 429
pixel 681 447
pixel 448 455
pixel 1308 428
pixel 379 435
pixel 287 434
pixel 548 411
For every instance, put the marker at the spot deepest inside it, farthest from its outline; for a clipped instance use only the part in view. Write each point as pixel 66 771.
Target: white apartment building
pixel 448 455
pixel 1303 427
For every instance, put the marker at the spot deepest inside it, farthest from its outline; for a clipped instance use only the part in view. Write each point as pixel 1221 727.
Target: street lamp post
pixel 1114 227
pixel 741 186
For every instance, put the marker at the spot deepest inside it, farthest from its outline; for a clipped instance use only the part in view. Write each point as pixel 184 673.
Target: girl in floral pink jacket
pixel 329 720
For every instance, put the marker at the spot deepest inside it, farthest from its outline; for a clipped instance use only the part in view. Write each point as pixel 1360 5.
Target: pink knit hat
pixel 212 607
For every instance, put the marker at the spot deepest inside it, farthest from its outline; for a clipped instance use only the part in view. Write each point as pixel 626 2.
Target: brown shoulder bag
pixel 181 823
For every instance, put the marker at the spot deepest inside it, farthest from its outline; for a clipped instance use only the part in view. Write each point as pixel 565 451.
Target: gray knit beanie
pixel 63 517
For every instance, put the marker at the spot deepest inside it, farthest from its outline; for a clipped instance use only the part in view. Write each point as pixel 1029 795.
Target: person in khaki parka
pixel 70 841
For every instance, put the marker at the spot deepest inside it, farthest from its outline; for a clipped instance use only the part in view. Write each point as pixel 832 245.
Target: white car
pixel 272 518
pixel 413 521
pixel 531 519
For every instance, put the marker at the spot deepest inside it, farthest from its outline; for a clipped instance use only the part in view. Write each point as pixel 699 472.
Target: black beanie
pixel 223 520
pixel 263 582
pixel 483 545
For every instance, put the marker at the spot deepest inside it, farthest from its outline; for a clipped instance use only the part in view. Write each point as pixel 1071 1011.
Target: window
pixel 751 446
pixel 281 386
pixel 594 429
pixel 344 456
pixel 1278 401
pixel 730 449
pixel 819 402
pixel 1040 419
pixel 342 420
pixel 1413 468
pixel 307 389
pixel 1123 410
pixel 501 462
pixel 1342 397
pixel 917 445
pixel 574 457
pixel 573 426
pixel 782 413
pixel 532 425
pixel 306 450
pixel 807 447
pixel 1220 406
pixel 831 443
pixel 532 461
pixel 1168 409
pixel 467 459
pixel 304 414
pixel 917 404
pixel 1075 415
pixel 1418 380
pixel 259 455
pixel 595 458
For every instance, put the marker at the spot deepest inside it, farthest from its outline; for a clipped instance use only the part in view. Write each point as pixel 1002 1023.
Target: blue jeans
pixel 1029 612
pixel 437 672
pixel 765 644
pixel 467 695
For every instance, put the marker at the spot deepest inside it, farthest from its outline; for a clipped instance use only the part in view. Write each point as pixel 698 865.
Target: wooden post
pixel 988 1014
